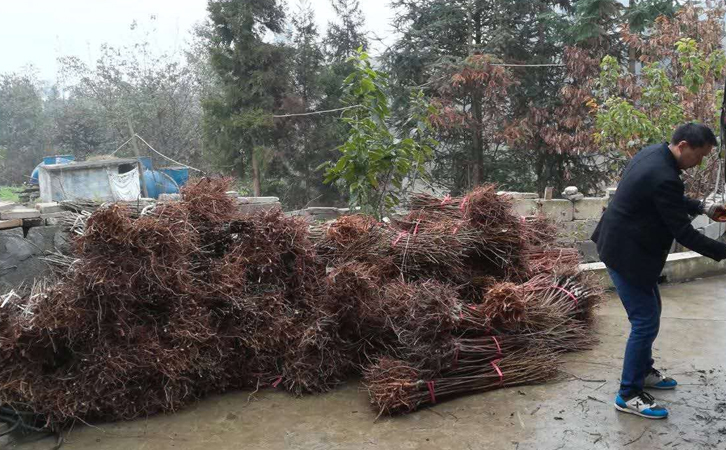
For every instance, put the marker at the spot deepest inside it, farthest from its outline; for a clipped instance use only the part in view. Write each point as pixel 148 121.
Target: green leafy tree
pixel 520 33
pixel 346 35
pixel 561 130
pixel 308 64
pixel 324 133
pixel 681 81
pixel 253 81
pixel 595 25
pixel 22 123
pixel 472 99
pixel 80 125
pixel 158 92
pixel 377 159
pixel 641 14
pixel 343 39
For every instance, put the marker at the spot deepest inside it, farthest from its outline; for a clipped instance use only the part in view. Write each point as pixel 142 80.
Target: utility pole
pixel 135 144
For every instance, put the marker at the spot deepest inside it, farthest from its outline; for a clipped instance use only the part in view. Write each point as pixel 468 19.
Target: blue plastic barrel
pixel 58 159
pixel 159 183
pixel 146 162
pixel 179 174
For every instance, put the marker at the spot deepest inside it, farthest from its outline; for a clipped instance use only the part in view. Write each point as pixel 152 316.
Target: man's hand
pixel 716 212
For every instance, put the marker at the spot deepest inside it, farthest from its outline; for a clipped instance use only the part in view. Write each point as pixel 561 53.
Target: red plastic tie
pixel 462 207
pixel 456 229
pixel 415 230
pixel 570 294
pixel 499 349
pixel 430 385
pixel 446 200
pixel 277 382
pixel 400 236
pixel 499 371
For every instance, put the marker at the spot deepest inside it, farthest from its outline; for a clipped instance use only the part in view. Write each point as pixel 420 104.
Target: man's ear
pixel 681 146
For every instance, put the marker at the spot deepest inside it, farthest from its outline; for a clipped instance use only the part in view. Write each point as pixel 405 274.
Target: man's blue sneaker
pixel 656 380
pixel 642 405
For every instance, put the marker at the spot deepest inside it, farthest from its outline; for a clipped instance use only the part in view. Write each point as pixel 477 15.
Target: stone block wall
pixel 577 219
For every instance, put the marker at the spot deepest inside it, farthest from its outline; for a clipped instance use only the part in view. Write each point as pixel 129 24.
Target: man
pixel 633 239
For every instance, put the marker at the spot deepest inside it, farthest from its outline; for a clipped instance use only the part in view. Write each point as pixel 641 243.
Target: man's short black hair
pixel 697 135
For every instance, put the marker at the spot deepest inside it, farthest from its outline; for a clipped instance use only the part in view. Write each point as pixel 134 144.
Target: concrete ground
pixel 573 414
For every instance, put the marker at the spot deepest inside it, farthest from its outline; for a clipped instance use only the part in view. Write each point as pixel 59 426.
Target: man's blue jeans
pixel 643 305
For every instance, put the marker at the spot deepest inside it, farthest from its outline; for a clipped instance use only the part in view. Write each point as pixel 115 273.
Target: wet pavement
pixel 573 414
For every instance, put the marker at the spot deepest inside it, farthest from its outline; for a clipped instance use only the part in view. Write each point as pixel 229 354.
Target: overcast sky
pixel 37 32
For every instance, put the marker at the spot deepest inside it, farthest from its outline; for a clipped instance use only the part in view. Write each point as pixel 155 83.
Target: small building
pixel 103 180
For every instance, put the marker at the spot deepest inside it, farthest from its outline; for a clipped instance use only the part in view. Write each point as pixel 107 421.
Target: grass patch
pixel 8 193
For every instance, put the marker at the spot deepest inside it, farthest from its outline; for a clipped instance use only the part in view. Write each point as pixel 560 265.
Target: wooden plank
pixel 19 213
pixel 8 224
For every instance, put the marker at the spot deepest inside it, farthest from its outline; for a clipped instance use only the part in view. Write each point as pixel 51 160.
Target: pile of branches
pixel 161 307
pixel 459 296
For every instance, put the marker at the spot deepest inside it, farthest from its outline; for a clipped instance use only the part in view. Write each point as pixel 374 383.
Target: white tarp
pixel 125 186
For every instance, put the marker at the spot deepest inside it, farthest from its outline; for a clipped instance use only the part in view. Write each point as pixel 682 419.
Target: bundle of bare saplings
pixel 189 298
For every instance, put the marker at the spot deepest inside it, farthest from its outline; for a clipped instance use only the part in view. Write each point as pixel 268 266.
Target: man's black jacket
pixel 648 211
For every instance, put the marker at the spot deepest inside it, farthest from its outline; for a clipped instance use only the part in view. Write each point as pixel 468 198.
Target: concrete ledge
pixel 520 195
pixel 679 267
pixel 257 200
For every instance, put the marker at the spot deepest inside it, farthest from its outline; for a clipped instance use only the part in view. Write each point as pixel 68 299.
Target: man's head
pixel 691 143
